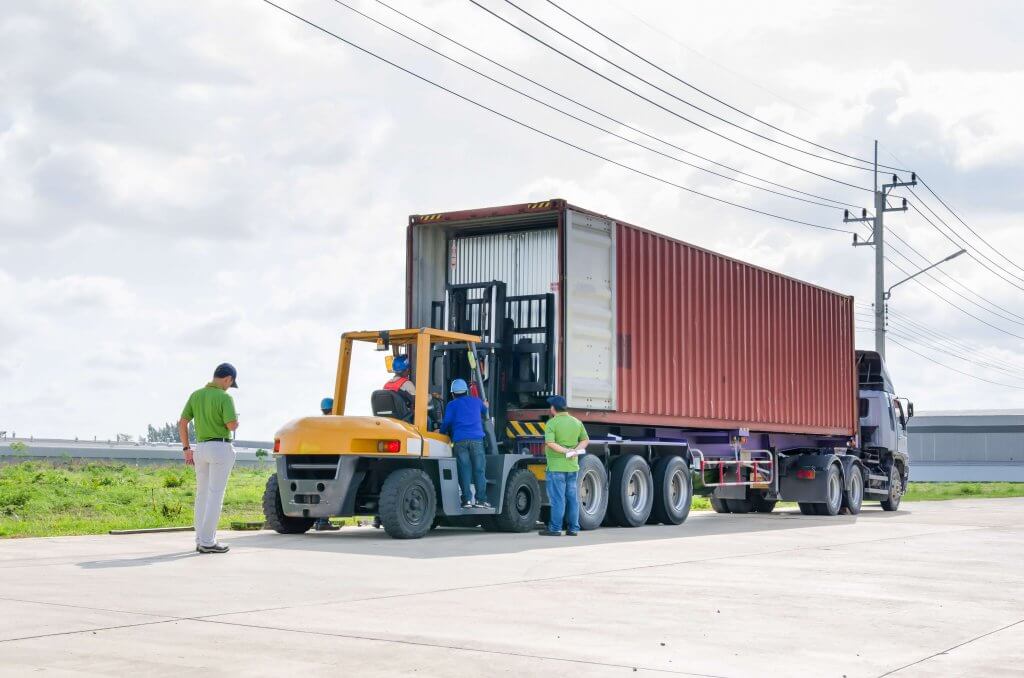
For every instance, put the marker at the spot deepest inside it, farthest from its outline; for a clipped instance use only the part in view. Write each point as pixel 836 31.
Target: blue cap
pixel 327 404
pixel 460 386
pixel 557 402
pixel 227 370
pixel 400 364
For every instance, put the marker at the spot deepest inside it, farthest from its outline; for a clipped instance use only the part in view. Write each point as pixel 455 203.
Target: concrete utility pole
pixel 878 242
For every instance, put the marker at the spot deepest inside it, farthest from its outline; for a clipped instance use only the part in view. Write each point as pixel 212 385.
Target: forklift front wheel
pixel 274 514
pixel 408 504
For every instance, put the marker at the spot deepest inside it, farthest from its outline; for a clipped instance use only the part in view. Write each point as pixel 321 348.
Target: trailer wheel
pixel 593 492
pixel 408 503
pixel 853 495
pixel 521 504
pixel 274 514
pixel 761 504
pixel 719 505
pixel 833 492
pixel 632 491
pixel 673 491
pixel 892 501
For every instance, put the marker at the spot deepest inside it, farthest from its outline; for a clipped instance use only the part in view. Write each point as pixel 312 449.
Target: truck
pixel 694 373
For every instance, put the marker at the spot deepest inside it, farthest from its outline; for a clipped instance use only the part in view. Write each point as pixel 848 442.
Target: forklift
pixel 396 465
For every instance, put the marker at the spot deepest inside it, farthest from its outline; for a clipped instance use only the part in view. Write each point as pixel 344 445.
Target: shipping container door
pixel 589 312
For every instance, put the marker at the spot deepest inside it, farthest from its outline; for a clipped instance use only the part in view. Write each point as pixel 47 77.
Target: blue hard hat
pixel 460 386
pixel 327 404
pixel 401 364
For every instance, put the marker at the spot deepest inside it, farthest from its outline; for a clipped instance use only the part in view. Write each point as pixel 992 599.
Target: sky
pixel 187 183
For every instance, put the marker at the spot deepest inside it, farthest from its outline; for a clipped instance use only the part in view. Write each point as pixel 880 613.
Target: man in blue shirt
pixel 462 421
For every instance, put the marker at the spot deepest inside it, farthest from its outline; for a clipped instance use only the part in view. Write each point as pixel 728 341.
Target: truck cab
pixel 883 425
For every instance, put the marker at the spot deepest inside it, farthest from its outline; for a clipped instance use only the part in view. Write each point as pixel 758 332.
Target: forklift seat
pixel 393 404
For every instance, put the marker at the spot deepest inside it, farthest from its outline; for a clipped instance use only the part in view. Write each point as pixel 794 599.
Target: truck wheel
pixel 761 504
pixel 520 506
pixel 408 503
pixel 892 502
pixel 739 505
pixel 593 492
pixel 719 505
pixel 853 495
pixel 632 491
pixel 274 514
pixel 673 491
pixel 833 492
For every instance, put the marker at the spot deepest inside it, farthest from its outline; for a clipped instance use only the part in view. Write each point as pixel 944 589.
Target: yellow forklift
pixel 396 465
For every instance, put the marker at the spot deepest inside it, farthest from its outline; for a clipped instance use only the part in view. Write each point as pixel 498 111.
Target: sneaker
pixel 325 526
pixel 482 504
pixel 467 504
pixel 216 548
pixel 572 534
pixel 549 533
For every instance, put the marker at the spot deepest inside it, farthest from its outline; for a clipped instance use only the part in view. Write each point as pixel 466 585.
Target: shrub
pixel 18 446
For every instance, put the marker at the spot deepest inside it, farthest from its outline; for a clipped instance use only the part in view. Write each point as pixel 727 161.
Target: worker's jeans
pixel 469 455
pixel 213 466
pixel 563 494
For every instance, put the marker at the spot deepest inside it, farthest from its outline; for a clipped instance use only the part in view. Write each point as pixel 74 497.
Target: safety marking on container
pixel 431 217
pixel 524 428
pixel 538 205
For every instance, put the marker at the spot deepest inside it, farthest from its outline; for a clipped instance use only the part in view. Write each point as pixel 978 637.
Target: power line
pixel 903 333
pixel 540 131
pixel 610 118
pixel 656 104
pixel 966 374
pixel 567 113
pixel 958 218
pixel 921 331
pixel 724 103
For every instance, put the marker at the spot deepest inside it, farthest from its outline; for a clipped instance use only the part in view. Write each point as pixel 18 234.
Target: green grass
pixel 45 499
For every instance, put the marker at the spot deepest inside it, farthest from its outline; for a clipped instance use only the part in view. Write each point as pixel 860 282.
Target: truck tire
pixel 673 491
pixel 593 492
pixel 833 492
pixel 408 503
pixel 520 507
pixel 853 495
pixel 808 509
pixel 719 505
pixel 892 501
pixel 739 505
pixel 760 503
pixel 274 515
pixel 631 493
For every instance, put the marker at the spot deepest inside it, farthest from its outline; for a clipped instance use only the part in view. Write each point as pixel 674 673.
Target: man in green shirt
pixel 213 411
pixel 565 440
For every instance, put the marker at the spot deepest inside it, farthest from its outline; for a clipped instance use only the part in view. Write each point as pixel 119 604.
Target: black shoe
pixel 549 533
pixel 216 548
pixel 325 526
pixel 572 534
pixel 482 504
pixel 467 504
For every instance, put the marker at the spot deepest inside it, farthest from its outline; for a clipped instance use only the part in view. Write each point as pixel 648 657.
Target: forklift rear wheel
pixel 520 506
pixel 408 503
pixel 631 491
pixel 719 505
pixel 593 492
pixel 274 514
pixel 673 491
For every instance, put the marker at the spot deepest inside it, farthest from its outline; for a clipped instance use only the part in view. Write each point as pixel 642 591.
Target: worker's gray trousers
pixel 213 466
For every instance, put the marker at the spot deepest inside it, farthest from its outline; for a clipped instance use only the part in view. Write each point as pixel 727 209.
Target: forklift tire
pixel 892 501
pixel 673 491
pixel 853 495
pixel 631 491
pixel 520 507
pixel 719 505
pixel 276 520
pixel 408 503
pixel 760 504
pixel 739 505
pixel 592 492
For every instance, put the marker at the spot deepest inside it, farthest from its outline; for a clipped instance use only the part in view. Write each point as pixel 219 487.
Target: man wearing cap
pixel 213 411
pixel 565 440
pixel 463 422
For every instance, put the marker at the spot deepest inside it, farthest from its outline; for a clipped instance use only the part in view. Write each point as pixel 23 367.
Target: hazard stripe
pixel 538 205
pixel 533 429
pixel 430 217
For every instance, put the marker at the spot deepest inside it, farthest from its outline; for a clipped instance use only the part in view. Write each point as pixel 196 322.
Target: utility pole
pixel 878 242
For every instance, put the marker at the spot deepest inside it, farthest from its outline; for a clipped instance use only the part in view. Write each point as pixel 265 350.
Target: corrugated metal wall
pixel 705 337
pixel 527 261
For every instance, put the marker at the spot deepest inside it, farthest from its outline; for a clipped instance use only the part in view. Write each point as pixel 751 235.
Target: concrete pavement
pixel 936 589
